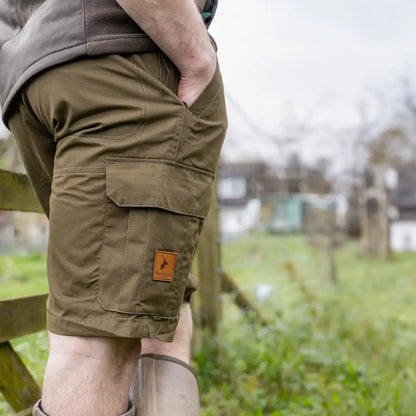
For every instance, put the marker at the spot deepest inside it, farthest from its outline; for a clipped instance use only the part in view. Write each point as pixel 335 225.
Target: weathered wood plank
pixel 196 311
pixel 16 193
pixel 208 266
pixel 294 274
pixel 240 299
pixel 26 412
pixel 22 316
pixel 16 383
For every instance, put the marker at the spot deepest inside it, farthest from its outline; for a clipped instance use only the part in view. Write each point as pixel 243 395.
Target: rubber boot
pixel 164 385
pixel 37 410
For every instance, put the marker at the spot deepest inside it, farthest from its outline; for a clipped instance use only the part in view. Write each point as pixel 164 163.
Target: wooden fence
pixel 20 316
pixel 26 315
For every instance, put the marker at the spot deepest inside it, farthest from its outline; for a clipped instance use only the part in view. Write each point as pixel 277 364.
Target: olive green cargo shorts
pixel 124 170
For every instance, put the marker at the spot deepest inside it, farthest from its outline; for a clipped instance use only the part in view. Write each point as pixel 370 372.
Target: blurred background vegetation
pixel 344 348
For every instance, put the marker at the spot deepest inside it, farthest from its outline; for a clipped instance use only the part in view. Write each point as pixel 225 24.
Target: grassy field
pixel 345 349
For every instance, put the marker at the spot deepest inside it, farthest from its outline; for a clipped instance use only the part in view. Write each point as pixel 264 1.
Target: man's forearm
pixel 177 27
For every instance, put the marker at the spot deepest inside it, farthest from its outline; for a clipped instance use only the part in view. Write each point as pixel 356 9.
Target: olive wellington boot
pixel 38 411
pixel 164 385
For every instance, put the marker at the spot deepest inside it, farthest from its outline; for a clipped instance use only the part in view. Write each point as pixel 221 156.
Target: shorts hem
pixel 115 326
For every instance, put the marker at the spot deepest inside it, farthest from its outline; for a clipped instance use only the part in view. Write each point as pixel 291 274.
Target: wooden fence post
pixel 16 383
pixel 207 300
pixel 18 317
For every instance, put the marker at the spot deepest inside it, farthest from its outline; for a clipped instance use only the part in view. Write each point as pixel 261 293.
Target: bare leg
pixel 180 348
pixel 88 376
pixel 164 383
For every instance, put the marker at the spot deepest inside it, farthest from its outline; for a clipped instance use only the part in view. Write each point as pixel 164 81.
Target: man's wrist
pixel 199 64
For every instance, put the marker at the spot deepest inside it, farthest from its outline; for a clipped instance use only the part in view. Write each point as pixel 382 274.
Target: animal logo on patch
pixel 164 266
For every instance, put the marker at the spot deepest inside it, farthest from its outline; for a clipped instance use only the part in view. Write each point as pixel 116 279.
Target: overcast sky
pixel 308 60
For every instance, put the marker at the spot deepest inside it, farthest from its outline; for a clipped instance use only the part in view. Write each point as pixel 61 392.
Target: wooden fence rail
pixel 20 316
pixel 16 194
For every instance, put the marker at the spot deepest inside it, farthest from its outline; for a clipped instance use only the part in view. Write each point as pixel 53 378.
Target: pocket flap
pixel 134 182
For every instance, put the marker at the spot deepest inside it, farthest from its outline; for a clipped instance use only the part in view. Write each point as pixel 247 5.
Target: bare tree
pixel 386 149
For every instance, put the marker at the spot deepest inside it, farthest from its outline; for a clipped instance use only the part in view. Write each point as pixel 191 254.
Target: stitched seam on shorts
pixel 153 76
pixel 199 115
pixel 175 141
pixel 147 326
pixel 194 196
pixel 140 125
pixel 126 246
pixel 140 289
pixel 165 65
pixel 174 144
pixel 79 169
pixel 100 254
pixel 163 207
pixel 181 268
pixel 114 316
pixel 78 174
pixel 41 181
pixel 180 132
pixel 197 171
pixel 143 93
pixel 156 189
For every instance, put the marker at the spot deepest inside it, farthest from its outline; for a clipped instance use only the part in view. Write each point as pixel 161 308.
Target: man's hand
pixel 177 27
pixel 192 84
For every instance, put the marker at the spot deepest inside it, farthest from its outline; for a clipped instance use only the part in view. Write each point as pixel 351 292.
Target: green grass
pixel 22 275
pixel 345 349
pixel 329 350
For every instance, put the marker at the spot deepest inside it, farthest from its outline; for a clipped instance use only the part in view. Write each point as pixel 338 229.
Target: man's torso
pixel 38 34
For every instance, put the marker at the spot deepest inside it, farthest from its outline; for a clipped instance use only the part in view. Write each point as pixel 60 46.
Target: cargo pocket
pixel 153 214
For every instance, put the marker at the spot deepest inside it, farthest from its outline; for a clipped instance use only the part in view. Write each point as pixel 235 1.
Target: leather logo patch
pixel 164 266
